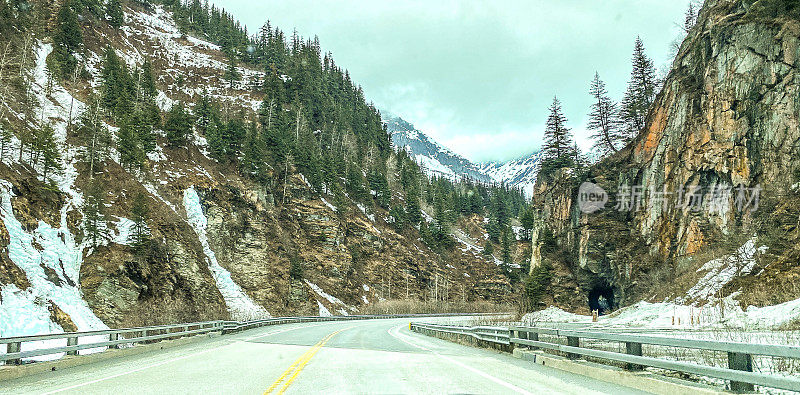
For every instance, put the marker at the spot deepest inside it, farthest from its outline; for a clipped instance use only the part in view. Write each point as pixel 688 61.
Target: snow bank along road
pixel 372 356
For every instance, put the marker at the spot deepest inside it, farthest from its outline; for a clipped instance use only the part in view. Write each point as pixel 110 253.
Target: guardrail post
pixel 11 348
pixel 633 349
pixel 113 337
pixel 740 361
pixel 72 341
pixel 573 341
pixel 523 335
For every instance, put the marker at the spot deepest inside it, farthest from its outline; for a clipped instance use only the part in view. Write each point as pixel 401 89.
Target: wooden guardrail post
pixel 744 362
pixel 11 348
pixel 632 348
pixel 72 341
pixel 573 341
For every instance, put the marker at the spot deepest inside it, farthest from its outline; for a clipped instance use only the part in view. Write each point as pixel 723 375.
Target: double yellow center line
pixel 291 373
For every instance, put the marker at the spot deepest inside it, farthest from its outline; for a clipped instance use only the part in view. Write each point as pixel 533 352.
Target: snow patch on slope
pixel 343 307
pixel 715 313
pixel 49 256
pixel 722 270
pixel 239 304
pixel 185 56
pixel 124 231
pixel 323 311
pixel 51 261
pixel 725 313
pixel 433 167
pixel 330 206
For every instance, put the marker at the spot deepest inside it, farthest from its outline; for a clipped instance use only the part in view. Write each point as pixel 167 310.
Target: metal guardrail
pixel 740 363
pixel 492 334
pixel 116 338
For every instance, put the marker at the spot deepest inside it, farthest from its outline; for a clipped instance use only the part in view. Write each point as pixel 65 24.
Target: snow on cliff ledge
pixel 239 304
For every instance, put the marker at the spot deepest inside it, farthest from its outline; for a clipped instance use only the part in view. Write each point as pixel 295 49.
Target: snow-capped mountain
pixel 435 159
pixel 520 173
pixel 440 161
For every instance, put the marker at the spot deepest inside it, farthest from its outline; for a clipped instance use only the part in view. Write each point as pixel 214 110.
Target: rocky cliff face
pixel 723 133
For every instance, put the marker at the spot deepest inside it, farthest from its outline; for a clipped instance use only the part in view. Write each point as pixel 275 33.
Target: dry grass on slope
pixel 408 306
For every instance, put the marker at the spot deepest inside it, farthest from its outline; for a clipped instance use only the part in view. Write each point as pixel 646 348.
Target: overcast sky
pixel 478 76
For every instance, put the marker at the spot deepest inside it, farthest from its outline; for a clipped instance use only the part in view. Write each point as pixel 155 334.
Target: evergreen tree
pixel 140 214
pixel 603 119
pixel 178 126
pixel 538 283
pixel 641 91
pixel 413 210
pixel 488 249
pixel 508 261
pixel 215 137
pixel 398 217
pixel 126 94
pixel 500 210
pixel 557 146
pixel 131 154
pixel 254 163
pixel 380 185
pixel 233 135
pixel 527 220
pixel 143 132
pixel 118 89
pixel 204 113
pixel 147 93
pixel 48 150
pixel 506 244
pixel 232 74
pixel 6 135
pixel 307 154
pixel 95 134
pixel 690 18
pixel 355 184
pixel 67 40
pixel 114 13
pixel 94 213
pixel 493 229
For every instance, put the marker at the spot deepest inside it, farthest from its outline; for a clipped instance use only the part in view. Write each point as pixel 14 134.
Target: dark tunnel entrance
pixel 601 298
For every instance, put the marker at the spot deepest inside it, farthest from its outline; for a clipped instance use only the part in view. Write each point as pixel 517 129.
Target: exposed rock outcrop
pixel 727 117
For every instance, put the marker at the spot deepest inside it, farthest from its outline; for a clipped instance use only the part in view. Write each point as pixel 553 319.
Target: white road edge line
pixel 113 376
pixel 397 335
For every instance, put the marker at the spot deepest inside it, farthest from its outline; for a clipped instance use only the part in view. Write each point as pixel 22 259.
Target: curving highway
pixel 373 356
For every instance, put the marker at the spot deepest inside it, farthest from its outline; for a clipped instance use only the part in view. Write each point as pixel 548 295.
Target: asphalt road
pixel 375 356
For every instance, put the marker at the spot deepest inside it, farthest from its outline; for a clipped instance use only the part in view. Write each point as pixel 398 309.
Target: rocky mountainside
pixel 703 204
pixel 520 173
pixel 436 159
pixel 220 244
